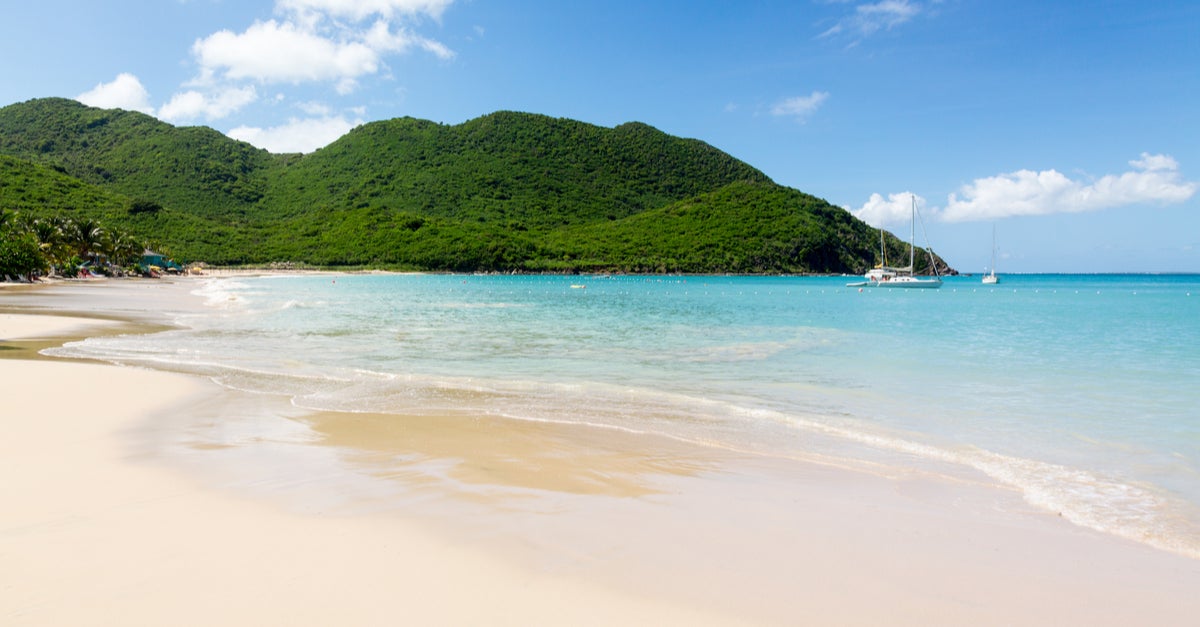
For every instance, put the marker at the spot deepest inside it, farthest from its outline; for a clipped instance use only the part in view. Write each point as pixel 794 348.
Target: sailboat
pixel 885 276
pixel 990 278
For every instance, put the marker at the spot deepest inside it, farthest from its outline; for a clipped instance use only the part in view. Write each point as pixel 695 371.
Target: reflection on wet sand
pixel 468 454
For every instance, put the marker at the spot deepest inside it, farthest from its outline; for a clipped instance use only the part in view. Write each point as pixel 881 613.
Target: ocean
pixel 1078 391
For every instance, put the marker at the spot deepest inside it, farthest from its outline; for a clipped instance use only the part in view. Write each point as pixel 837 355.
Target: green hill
pixel 37 190
pixel 510 169
pixel 504 192
pixel 743 227
pixel 195 169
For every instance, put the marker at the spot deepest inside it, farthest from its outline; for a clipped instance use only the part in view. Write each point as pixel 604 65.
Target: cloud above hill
pixel 124 92
pixel 282 52
pixel 209 105
pixel 298 134
pixel 334 44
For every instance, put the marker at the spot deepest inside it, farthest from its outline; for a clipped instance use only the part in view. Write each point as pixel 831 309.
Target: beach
pixel 113 512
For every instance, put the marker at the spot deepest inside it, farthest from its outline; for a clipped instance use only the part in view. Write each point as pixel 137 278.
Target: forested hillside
pixel 504 192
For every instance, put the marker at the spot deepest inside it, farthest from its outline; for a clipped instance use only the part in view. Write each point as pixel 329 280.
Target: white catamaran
pixel 883 275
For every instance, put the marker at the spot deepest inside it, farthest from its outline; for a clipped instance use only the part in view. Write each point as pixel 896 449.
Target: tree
pixel 87 236
pixel 51 239
pixel 121 249
pixel 20 254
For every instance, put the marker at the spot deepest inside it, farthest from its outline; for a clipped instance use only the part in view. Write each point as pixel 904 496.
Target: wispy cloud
pixel 868 19
pixel 800 107
pixel 1153 179
pixel 362 9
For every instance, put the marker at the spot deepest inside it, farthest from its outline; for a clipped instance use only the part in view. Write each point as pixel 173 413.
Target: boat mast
pixel 912 239
pixel 993 249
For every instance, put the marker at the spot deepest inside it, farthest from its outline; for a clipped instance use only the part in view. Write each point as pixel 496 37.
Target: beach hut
pixel 153 259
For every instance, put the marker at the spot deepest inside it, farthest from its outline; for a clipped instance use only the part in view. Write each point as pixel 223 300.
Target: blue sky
pixel 1072 127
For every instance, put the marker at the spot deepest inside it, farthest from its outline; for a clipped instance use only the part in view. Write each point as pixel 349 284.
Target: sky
pixel 1069 129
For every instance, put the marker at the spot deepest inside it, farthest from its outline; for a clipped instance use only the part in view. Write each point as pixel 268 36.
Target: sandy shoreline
pixel 101 523
pixel 92 534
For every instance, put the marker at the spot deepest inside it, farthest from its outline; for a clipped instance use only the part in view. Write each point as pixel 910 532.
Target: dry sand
pixel 475 521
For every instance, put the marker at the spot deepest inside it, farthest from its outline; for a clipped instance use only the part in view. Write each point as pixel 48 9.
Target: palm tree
pixel 51 240
pixel 121 248
pixel 87 236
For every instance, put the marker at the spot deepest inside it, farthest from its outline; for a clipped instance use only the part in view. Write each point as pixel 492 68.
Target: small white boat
pixel 990 278
pixel 886 276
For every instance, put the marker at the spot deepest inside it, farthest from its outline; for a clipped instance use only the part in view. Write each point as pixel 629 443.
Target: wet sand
pixel 142 497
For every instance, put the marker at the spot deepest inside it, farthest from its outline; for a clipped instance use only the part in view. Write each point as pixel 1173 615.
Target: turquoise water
pixel 1081 392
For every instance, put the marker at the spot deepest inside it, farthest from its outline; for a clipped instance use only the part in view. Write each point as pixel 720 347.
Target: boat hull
pixel 900 283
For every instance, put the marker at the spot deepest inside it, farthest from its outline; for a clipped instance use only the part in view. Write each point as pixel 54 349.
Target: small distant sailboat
pixel 990 278
pixel 885 276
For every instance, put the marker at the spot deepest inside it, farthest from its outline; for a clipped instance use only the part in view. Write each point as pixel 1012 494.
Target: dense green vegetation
pixel 504 192
pixel 743 227
pixel 31 247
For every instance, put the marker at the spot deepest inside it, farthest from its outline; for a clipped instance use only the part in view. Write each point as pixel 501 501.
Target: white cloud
pixel 1154 179
pixel 191 105
pixel 273 52
pixel 124 92
pixel 868 19
pixel 895 209
pixel 801 107
pixel 297 135
pixel 337 42
pixel 333 42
